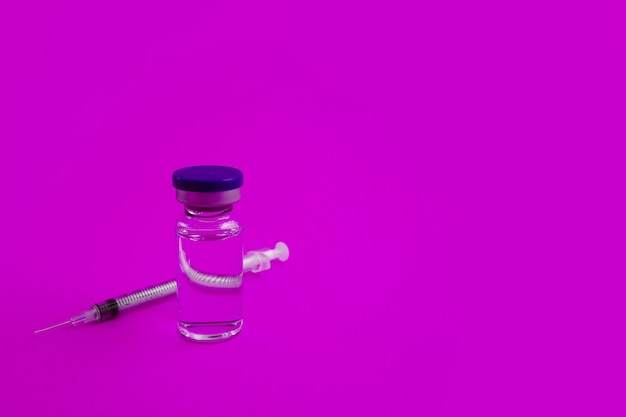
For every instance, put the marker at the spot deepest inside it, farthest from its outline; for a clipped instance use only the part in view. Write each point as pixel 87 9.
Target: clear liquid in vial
pixel 211 246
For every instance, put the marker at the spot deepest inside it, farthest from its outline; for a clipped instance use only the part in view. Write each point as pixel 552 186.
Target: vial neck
pixel 207 211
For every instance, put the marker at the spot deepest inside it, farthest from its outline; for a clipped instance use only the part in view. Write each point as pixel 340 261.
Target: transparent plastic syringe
pixel 253 261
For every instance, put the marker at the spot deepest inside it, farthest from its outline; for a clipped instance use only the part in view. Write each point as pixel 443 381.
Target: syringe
pixel 253 261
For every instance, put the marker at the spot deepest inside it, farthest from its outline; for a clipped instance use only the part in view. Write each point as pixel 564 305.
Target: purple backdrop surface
pixel 448 176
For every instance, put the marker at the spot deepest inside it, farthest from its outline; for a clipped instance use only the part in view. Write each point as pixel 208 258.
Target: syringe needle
pixel 52 327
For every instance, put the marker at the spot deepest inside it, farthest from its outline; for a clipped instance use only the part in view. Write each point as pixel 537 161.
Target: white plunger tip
pixel 282 251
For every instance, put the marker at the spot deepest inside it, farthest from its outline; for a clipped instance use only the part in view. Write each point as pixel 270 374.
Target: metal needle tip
pixel 52 327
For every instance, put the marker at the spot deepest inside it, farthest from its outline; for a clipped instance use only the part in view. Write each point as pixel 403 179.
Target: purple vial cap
pixel 207 178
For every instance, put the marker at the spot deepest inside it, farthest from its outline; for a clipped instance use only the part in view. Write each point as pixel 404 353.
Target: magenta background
pixel 448 176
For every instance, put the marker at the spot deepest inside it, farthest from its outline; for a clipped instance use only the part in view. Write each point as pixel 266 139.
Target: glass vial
pixel 210 253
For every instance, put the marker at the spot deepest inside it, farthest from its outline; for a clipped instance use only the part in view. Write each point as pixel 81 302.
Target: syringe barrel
pixel 142 296
pixel 253 261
